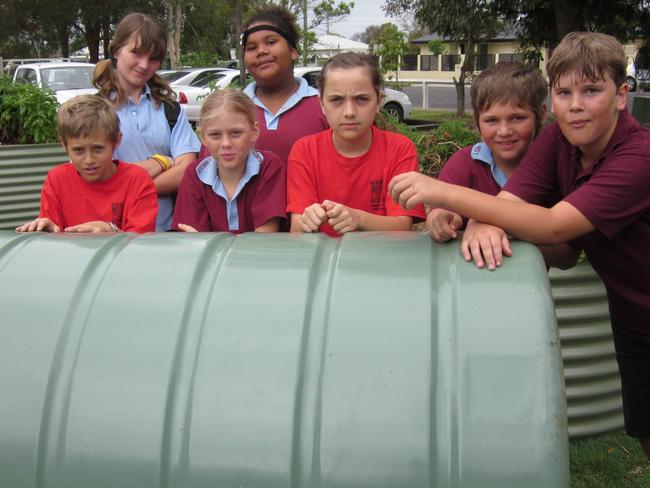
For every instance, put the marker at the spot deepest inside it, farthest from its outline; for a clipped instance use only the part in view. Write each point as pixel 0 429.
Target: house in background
pixel 328 45
pixel 504 46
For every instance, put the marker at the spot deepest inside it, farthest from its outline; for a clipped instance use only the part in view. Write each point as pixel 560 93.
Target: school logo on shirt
pixel 117 209
pixel 377 201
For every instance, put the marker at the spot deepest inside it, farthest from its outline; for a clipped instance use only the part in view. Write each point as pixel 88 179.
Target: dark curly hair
pixel 278 16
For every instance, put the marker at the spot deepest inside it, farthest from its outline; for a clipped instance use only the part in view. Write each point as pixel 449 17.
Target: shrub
pixel 199 59
pixel 434 148
pixel 27 113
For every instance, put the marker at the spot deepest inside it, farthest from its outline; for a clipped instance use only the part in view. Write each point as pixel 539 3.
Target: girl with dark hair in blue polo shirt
pixel 155 130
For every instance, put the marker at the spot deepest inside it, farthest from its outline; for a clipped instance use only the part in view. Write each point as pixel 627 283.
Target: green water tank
pixel 208 360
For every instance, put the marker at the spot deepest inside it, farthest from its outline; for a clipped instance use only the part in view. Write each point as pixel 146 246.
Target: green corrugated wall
pixel 22 172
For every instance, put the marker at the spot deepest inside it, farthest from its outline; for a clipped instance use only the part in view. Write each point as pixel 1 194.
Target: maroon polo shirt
pixel 614 195
pixel 463 170
pixel 303 119
pixel 264 197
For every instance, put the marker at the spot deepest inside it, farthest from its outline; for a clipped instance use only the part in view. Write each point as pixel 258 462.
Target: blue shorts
pixel 633 356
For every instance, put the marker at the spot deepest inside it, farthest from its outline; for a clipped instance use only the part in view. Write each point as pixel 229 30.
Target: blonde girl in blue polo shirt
pixel 144 102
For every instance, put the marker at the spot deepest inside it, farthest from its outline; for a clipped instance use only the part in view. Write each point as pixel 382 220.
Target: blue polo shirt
pixel 145 131
pixel 481 152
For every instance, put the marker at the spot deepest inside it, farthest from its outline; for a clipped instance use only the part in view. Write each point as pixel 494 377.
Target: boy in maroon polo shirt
pixel 593 165
pixel 508 101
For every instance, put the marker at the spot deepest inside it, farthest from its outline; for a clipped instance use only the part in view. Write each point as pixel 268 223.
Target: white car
pixel 191 96
pixel 185 77
pixel 66 80
pixel 631 77
pixel 396 103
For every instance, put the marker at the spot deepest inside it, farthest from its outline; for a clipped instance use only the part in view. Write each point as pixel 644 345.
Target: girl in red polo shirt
pixel 337 179
pixel 234 188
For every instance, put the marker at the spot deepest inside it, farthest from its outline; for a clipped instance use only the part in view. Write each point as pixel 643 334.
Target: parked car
pixel 395 103
pixel 66 80
pixel 191 96
pixel 631 77
pixel 188 76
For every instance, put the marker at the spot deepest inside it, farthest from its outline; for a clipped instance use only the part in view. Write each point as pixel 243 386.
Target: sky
pixel 365 13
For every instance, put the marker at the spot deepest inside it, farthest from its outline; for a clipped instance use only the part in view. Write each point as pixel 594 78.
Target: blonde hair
pixel 149 37
pixel 227 99
pixel 510 82
pixel 87 115
pixel 591 55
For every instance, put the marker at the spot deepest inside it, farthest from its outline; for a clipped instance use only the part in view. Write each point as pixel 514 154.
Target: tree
pixel 328 13
pixel 467 21
pixel 436 47
pixel 174 19
pixel 543 23
pixel 390 46
pixel 369 36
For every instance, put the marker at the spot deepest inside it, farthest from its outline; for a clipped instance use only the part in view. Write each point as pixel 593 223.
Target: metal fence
pixel 593 385
pixel 22 172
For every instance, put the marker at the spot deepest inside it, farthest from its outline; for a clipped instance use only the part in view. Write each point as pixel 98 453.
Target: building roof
pixel 508 33
pixel 329 42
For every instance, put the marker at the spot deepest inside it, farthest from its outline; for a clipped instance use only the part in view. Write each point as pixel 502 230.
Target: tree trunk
pixel 240 51
pixel 304 32
pixel 106 38
pixel 93 36
pixel 567 19
pixel 466 67
pixel 63 33
pixel 174 14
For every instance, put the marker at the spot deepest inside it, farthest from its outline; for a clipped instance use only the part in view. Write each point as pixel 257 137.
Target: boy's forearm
pixel 369 221
pixel 523 220
pixel 169 181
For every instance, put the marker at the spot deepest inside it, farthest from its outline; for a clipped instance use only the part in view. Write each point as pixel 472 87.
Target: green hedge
pixel 27 113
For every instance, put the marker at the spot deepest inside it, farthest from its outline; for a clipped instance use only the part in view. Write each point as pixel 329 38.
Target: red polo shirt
pixel 614 195
pixel 317 172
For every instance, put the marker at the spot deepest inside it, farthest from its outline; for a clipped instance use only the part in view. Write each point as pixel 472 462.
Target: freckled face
pixel 229 136
pixel 350 103
pixel 507 130
pixel 587 111
pixel 92 156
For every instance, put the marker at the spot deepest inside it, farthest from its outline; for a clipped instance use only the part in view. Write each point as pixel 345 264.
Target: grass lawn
pixel 609 461
pixel 440 116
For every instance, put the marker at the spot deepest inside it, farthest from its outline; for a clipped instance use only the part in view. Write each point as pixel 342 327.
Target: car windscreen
pixel 67 78
pixel 173 75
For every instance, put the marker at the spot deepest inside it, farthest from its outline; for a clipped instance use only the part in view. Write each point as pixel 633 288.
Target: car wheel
pixel 394 110
pixel 631 83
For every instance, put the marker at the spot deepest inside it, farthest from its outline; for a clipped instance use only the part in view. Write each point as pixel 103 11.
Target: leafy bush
pixel 199 59
pixel 434 148
pixel 27 114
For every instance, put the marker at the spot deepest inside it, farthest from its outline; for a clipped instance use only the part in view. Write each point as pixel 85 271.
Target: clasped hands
pixel 341 218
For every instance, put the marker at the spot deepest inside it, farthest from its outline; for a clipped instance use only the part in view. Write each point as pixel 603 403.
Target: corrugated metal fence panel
pixel 22 173
pixel 177 360
pixel 593 384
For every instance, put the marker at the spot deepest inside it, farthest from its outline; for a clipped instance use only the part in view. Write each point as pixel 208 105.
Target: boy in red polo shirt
pixel 593 166
pixel 94 192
